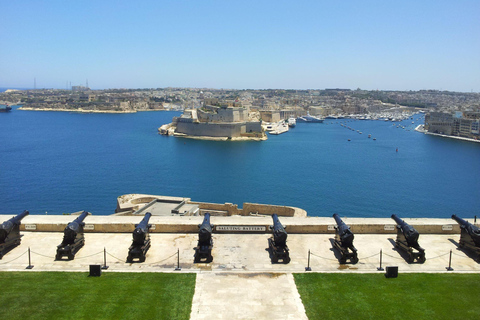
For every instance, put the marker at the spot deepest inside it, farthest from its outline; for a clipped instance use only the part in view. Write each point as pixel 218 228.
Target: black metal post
pixel 449 268
pixel 105 267
pixel 380 268
pixel 308 265
pixel 178 261
pixel 29 260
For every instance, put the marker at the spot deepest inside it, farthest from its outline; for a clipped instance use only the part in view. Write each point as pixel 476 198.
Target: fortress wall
pixel 253 126
pixel 267 209
pixel 230 208
pixel 211 129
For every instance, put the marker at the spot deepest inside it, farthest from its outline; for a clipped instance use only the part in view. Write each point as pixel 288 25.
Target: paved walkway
pixel 246 296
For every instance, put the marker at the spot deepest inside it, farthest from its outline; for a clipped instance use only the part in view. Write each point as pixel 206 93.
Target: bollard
pixel 380 268
pixel 178 261
pixel 308 265
pixel 449 268
pixel 29 261
pixel 104 267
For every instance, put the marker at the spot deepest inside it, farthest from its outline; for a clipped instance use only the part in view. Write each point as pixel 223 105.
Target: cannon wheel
pixel 354 260
pixel 286 260
pixel 410 258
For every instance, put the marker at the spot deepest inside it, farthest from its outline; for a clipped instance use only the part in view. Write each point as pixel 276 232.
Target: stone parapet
pixel 189 224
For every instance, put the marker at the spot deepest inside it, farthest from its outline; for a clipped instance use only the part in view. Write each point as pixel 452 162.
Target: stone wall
pixel 211 129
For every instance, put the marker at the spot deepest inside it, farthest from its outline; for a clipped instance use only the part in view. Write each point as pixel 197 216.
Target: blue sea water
pixel 58 162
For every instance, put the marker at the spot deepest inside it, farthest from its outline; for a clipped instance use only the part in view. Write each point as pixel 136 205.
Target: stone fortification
pixel 131 207
pixel 189 224
pixel 223 122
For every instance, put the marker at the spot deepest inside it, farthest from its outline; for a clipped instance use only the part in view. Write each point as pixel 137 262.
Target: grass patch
pixel 69 295
pixel 372 296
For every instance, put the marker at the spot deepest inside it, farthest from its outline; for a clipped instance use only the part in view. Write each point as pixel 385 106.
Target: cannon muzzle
pixel 141 229
pixel 279 233
pixel 74 227
pixel 346 235
pixel 472 230
pixel 460 221
pixel 205 229
pixel 410 233
pixel 7 226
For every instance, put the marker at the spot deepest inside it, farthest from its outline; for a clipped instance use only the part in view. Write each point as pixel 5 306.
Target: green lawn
pixel 372 296
pixel 69 295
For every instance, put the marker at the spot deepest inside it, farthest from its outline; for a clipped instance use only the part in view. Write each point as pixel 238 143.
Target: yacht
pixel 292 122
pixel 309 118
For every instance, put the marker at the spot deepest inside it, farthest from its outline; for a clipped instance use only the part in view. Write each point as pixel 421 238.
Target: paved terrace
pixel 232 252
pixel 241 282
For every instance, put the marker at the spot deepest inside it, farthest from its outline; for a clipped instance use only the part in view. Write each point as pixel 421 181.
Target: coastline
pixel 181 135
pixel 421 129
pixel 83 110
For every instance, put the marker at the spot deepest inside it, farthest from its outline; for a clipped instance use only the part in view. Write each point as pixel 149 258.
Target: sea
pixel 59 162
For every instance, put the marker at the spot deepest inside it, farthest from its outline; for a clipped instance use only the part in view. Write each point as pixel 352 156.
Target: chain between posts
pixel 14 258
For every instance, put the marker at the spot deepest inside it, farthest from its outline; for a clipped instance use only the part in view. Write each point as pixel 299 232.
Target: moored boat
pixel 309 118
pixel 292 122
pixel 5 108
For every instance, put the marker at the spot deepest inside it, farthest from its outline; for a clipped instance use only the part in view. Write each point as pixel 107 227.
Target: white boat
pixel 309 118
pixel 281 128
pixel 292 122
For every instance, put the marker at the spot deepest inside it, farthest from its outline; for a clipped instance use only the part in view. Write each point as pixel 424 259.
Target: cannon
pixel 10 233
pixel 469 235
pixel 277 244
pixel 73 238
pixel 407 240
pixel 141 240
pixel 203 250
pixel 344 241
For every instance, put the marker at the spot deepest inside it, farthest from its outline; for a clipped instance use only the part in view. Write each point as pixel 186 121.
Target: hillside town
pixel 450 113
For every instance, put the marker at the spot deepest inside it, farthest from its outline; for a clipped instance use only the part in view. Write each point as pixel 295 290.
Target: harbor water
pixel 59 162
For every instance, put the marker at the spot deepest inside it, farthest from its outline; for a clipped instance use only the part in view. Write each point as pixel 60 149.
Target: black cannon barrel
pixel 471 229
pixel 73 228
pixel 279 233
pixel 346 235
pixel 205 229
pixel 7 226
pixel 460 220
pixel 141 229
pixel 399 221
pixel 411 235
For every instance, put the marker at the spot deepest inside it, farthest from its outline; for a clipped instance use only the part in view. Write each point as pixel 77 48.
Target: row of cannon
pixel 73 239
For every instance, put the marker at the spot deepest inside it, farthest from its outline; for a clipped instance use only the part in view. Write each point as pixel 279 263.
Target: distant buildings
pixel 462 124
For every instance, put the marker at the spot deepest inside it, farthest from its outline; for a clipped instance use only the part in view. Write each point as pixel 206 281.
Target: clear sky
pixel 385 45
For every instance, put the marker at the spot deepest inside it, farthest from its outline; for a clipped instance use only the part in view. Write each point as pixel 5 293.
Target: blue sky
pixel 385 45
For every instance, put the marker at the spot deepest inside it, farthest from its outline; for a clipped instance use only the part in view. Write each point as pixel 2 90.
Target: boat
pixel 292 122
pixel 309 118
pixel 369 135
pixel 281 128
pixel 5 108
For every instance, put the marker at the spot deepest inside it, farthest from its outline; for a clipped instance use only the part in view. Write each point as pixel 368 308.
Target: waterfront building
pixel 461 124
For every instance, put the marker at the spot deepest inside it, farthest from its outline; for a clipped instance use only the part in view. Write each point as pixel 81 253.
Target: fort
pixel 227 120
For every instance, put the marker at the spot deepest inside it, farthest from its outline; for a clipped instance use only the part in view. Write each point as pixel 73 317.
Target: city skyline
pixel 248 45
